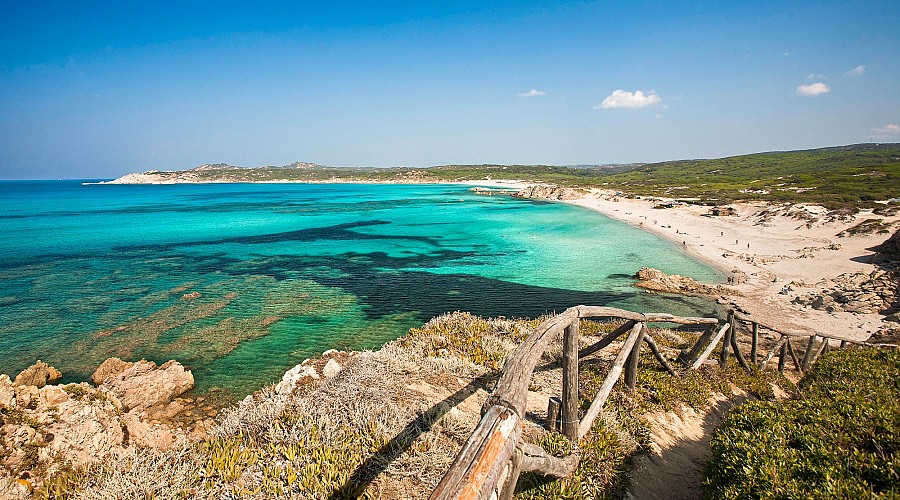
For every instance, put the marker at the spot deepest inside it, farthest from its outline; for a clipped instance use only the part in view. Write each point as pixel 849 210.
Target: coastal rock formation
pixel 48 428
pixel 328 366
pixel 550 193
pixel 112 366
pixel 142 386
pixel 38 375
pixel 653 279
pixel 889 251
pixel 877 292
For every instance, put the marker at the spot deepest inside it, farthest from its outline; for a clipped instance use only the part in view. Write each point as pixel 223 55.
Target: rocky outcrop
pixel 112 366
pixel 889 251
pixel 38 375
pixel 877 292
pixel 329 365
pixel 143 386
pixel 653 279
pixel 550 193
pixel 46 427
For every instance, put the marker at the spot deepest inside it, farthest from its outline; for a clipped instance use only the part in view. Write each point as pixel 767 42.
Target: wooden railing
pixel 784 345
pixel 489 463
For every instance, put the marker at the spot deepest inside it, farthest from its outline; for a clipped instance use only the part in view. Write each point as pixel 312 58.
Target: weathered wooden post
pixel 781 357
pixel 809 352
pixel 553 407
pixel 709 348
pixel 843 344
pixel 569 424
pixel 726 342
pixel 754 342
pixel 659 355
pixel 631 365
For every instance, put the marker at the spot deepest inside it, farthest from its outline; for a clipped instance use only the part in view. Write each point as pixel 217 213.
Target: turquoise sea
pixel 240 282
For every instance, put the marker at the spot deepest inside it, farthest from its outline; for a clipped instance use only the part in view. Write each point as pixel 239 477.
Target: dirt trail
pixel 673 469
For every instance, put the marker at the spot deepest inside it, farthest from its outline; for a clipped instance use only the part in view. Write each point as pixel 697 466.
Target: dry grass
pixel 146 473
pixel 387 426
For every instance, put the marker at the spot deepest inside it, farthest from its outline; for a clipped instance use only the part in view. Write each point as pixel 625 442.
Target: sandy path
pixel 673 468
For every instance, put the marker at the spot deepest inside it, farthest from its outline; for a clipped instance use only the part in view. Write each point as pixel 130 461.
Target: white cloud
pixel 813 89
pixel 624 99
pixel 890 128
pixel 815 76
pixel 857 71
pixel 532 93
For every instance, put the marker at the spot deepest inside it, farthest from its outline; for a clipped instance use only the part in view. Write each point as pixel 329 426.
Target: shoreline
pixel 773 250
pixel 768 247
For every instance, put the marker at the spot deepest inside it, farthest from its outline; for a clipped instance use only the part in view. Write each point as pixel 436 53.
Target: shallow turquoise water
pixel 242 281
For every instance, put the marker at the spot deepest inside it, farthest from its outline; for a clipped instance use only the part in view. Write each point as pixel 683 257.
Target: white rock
pixel 332 368
pixel 295 375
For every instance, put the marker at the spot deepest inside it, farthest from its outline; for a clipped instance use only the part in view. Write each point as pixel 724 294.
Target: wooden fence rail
pixel 489 464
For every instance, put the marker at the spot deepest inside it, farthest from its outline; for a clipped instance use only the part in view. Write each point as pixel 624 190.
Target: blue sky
pixel 97 89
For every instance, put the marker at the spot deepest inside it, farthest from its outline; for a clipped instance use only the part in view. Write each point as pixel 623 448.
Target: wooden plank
pixel 479 466
pixel 689 358
pixel 775 348
pixel 659 356
pixel 535 459
pixel 801 333
pixel 512 388
pixel 790 350
pixel 668 318
pixel 738 355
pixel 607 312
pixel 633 361
pixel 809 352
pixel 710 347
pixel 726 343
pixel 585 426
pixel 754 342
pixel 822 350
pixel 608 339
pixel 569 423
pixel 508 491
pixel 782 356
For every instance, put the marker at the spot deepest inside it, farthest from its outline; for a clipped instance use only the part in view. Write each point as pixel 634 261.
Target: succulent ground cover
pixel 839 438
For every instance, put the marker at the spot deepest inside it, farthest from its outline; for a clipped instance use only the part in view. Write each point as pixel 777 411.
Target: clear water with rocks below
pixel 240 282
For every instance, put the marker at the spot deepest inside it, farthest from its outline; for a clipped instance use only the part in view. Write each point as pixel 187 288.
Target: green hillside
pixel 837 177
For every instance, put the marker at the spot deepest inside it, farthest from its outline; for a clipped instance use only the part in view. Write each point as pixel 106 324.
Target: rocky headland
pixel 48 428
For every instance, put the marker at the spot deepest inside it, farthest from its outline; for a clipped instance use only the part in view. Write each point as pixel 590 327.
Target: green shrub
pixel 839 439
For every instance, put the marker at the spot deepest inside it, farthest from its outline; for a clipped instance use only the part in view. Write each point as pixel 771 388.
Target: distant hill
pixel 842 176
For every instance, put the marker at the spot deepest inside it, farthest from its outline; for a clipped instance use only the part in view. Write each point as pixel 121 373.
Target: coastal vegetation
pixel 845 177
pixel 388 423
pixel 839 438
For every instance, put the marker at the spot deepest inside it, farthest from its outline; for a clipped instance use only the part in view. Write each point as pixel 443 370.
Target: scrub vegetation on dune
pixel 840 438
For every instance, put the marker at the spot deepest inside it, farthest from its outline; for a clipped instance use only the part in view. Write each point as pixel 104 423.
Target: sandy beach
pixel 772 246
